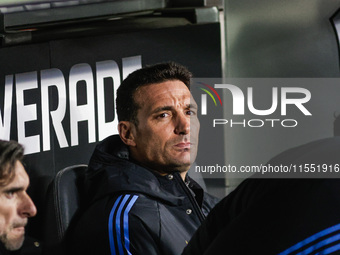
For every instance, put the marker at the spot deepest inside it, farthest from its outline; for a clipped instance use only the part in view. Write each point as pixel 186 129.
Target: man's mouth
pixel 19 227
pixel 184 145
pixel 19 231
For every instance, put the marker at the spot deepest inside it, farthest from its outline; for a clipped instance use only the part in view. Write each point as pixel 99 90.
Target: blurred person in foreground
pixel 288 213
pixel 15 204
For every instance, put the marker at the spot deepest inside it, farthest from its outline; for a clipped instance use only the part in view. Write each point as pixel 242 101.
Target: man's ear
pixel 126 131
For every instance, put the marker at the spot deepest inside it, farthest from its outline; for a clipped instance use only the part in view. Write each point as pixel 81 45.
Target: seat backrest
pixel 62 202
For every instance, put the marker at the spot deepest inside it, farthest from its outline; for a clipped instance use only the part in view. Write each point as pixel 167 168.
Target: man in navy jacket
pixel 139 197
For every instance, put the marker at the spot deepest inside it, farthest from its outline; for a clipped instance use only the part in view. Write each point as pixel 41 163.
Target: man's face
pixel 15 207
pixel 166 137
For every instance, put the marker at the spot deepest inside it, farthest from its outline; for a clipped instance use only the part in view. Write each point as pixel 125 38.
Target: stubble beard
pixel 12 243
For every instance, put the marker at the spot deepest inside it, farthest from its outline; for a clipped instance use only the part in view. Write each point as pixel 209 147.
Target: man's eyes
pixel 163 115
pixel 190 112
pixel 166 114
pixel 10 194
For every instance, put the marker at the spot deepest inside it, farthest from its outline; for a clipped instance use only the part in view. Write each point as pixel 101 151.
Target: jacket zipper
pixel 193 201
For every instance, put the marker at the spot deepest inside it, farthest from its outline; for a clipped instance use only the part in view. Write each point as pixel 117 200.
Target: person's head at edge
pixel 158 117
pixel 15 204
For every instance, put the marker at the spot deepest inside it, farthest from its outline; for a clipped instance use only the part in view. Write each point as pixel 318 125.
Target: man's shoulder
pixel 133 203
pixel 91 230
pixel 122 203
pixel 138 209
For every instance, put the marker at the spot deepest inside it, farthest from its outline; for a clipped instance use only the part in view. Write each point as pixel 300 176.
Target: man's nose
pixel 27 207
pixel 182 126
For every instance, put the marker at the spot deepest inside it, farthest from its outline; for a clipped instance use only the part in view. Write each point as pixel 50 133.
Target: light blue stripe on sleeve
pixel 320 244
pixel 126 223
pixel 311 239
pixel 118 217
pixel 329 250
pixel 112 243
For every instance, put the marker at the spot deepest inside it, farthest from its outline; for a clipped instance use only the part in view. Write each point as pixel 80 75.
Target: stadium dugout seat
pixel 62 202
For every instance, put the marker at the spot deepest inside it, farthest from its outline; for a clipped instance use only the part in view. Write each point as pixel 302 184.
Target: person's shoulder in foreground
pixel 15 204
pixel 139 197
pixel 278 216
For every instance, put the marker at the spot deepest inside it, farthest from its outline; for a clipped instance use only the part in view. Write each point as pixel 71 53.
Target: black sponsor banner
pixel 21 99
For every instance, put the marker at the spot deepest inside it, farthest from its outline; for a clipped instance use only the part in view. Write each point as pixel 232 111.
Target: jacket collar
pixel 111 171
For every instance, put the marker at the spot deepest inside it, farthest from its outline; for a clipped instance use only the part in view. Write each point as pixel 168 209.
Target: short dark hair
pixel 126 106
pixel 10 153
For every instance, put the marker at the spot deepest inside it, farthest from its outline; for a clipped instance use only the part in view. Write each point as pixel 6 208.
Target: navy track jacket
pixel 131 210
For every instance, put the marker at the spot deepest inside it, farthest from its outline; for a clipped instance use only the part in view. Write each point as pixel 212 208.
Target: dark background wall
pixel 268 38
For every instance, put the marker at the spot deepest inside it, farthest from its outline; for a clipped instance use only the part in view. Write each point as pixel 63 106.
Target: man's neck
pixel 183 174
